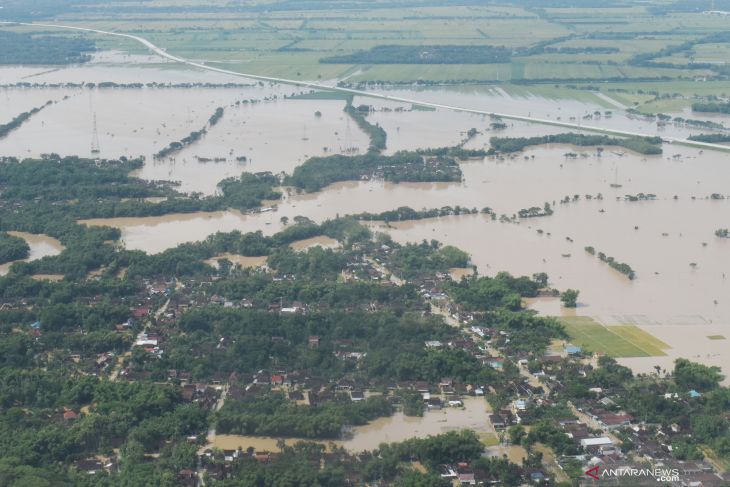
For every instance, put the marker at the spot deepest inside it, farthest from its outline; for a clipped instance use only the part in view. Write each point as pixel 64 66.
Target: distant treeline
pixel 710 138
pixel 642 145
pixel 711 107
pixel 393 54
pixel 581 50
pixel 16 122
pixel 318 172
pixel 113 84
pixel 457 152
pixel 34 49
pixel 406 213
pixel 647 59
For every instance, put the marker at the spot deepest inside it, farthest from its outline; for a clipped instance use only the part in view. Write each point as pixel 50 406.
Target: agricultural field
pixel 627 42
pixel 613 340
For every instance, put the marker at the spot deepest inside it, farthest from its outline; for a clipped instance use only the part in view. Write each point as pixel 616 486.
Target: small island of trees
pixel 642 145
pixel 623 268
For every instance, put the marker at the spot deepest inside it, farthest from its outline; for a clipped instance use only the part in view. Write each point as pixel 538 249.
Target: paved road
pixel 321 86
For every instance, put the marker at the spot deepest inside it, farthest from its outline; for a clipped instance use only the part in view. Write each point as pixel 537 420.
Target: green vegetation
pixel 394 54
pixel 413 260
pixel 405 213
pixel 642 145
pixel 622 267
pixel 25 48
pixel 317 172
pixel 177 146
pixel 273 415
pixel 12 248
pixel 569 298
pixel 615 340
pixel 16 122
pixel 376 133
pixel 711 107
pixel 711 138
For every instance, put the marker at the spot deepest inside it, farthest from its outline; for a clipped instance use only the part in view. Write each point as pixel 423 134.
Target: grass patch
pixel 716 337
pixel 321 95
pixel 616 341
pixel 489 439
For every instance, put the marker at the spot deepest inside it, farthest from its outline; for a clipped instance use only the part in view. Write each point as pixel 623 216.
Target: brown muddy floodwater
pixel 669 237
pixel 474 416
pixel 240 260
pixel 322 241
pixel 40 246
pixel 681 267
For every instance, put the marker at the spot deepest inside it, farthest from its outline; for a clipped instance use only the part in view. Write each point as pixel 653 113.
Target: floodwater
pixel 707 344
pixel 275 135
pixel 666 290
pixel 473 416
pixel 40 246
pixel 681 266
pixel 322 241
pixel 240 260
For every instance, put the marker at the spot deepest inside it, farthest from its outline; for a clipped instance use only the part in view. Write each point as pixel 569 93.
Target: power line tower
pixel 95 149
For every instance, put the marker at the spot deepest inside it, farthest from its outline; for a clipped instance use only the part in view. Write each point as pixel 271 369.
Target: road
pixel 321 86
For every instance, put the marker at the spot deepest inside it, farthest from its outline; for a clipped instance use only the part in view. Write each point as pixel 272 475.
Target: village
pixel 594 432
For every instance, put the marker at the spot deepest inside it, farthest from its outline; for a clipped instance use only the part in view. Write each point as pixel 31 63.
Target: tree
pixel 516 433
pixel 569 297
pixel 690 375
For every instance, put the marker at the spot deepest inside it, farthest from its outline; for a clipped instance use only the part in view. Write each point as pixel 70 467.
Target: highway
pixel 320 86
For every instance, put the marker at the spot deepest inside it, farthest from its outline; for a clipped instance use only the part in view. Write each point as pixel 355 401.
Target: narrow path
pixel 319 86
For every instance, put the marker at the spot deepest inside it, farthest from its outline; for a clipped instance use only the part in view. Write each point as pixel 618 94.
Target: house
pixel 313 341
pixel 465 475
pixel 573 350
pixel 538 478
pixel 434 403
pixel 433 344
pixel 141 312
pixel 296 396
pixel 600 441
pixel 497 421
pixel 611 421
pixel 187 477
pixel 357 396
pixel 277 380
pixel 521 405
pixel 89 465
pixel 494 362
pixel 447 472
pixel 70 416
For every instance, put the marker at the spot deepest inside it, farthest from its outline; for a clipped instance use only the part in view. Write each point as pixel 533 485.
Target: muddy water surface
pixel 474 416
pixel 40 246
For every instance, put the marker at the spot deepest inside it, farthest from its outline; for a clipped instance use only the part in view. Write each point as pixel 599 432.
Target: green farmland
pixel 614 340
